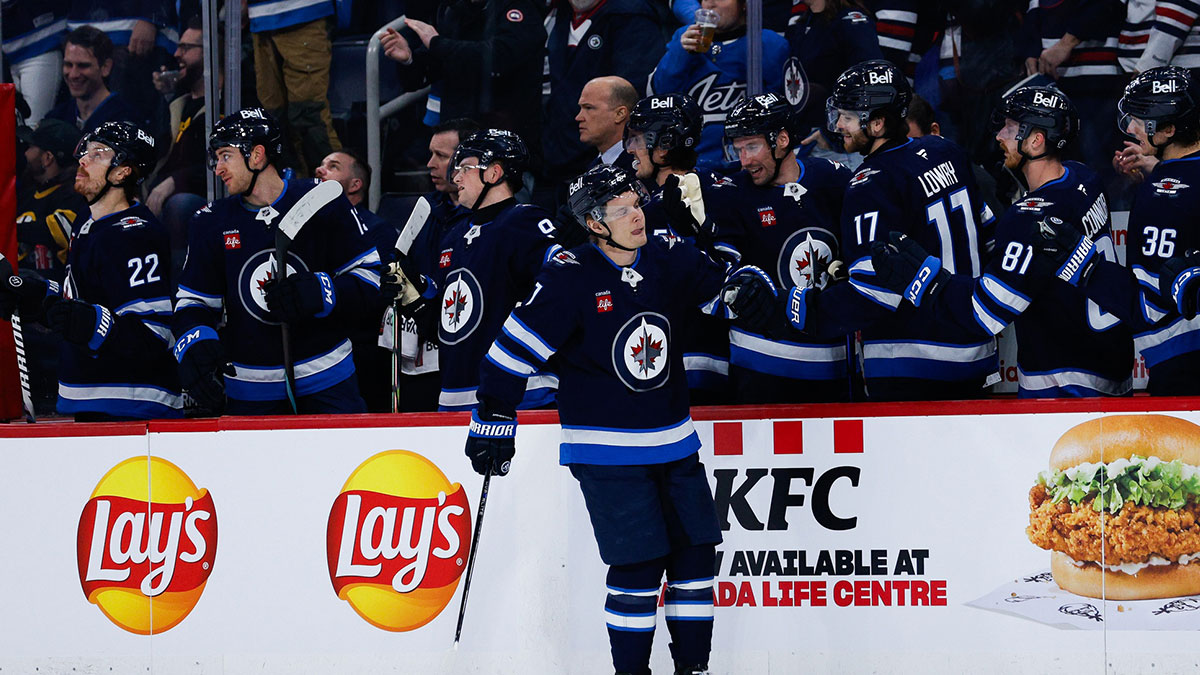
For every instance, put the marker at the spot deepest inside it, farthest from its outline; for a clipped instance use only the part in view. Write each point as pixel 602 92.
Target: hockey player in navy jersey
pixel 114 305
pixel 487 264
pixel 781 214
pixel 1066 345
pixel 228 284
pixel 662 135
pixel 922 187
pixel 1160 109
pixel 608 314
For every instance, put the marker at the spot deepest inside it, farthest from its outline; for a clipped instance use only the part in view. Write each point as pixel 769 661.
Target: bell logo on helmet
pixel 766 99
pixel 1050 101
pixel 577 185
pixel 884 77
pixel 660 103
pixel 1170 87
pixel 252 113
pixel 145 137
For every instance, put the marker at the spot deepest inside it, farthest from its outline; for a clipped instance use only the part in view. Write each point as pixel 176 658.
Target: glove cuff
pixel 103 327
pixel 758 272
pixel 492 425
pixel 797 307
pixel 1075 270
pixel 191 337
pixel 328 295
pixel 923 280
pixel 1181 280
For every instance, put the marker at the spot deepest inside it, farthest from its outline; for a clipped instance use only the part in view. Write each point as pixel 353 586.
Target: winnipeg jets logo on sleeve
pixel 863 176
pixel 461 306
pixel 1033 204
pixel 641 357
pixel 803 259
pixel 1169 186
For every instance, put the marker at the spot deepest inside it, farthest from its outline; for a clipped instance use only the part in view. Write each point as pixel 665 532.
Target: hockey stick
pixel 462 607
pixel 22 365
pixel 412 228
pixel 289 226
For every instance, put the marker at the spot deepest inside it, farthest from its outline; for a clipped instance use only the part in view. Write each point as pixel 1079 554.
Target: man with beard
pixel 47 209
pixel 113 306
pixel 921 187
pixel 1066 346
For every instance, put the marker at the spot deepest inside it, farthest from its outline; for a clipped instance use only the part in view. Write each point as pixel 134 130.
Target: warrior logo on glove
pixel 641 356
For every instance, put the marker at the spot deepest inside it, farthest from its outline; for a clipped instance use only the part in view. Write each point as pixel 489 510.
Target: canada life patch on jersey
pixel 1033 204
pixel 804 258
pixel 640 352
pixel 604 302
pixel 1169 186
pixel 255 273
pixel 233 240
pixel 766 215
pixel 462 306
pixel 863 176
pixel 444 258
pixel 515 15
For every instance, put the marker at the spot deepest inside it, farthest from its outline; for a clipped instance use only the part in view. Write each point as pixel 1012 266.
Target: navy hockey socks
pixel 630 612
pixel 689 604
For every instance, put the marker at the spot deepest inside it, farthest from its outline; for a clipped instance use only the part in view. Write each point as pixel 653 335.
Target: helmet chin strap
pixel 486 187
pixel 108 184
pixel 608 238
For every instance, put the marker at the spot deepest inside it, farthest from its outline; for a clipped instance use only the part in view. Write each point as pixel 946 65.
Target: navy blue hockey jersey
pixel 231 255
pixel 1160 227
pixel 122 264
pixel 486 266
pixel 790 231
pixel 612 332
pixel 1066 345
pixel 922 187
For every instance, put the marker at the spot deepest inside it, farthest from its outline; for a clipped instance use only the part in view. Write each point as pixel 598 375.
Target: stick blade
pixel 304 208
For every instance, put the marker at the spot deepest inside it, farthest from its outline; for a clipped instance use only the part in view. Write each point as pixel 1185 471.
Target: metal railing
pixel 376 113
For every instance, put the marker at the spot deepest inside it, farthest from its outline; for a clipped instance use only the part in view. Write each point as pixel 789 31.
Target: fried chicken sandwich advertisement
pixel 1119 511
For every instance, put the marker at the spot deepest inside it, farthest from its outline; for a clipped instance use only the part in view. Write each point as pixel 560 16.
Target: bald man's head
pixel 604 106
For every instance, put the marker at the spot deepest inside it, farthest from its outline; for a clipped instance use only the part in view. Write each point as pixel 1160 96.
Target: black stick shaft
pixel 462 608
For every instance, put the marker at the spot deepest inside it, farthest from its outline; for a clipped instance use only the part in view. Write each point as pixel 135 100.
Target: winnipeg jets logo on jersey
pixel 267 214
pixel 461 308
pixel 795 83
pixel 641 357
pixel 253 277
pixel 1033 204
pixel 863 176
pixel 1170 186
pixel 803 258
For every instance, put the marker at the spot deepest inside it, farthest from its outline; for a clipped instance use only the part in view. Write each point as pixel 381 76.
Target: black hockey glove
pixel 903 267
pixel 491 441
pixel 202 367
pixel 756 305
pixel 568 233
pixel 23 293
pixel 80 323
pixel 1179 280
pixel 303 295
pixel 679 214
pixel 1061 251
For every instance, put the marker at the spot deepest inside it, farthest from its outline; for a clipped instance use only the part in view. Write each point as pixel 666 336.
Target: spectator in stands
pixel 905 29
pixel 33 33
pixel 716 77
pixel 350 169
pixel 181 184
pixel 775 13
pixel 590 39
pixel 485 59
pixel 604 107
pixel 1075 42
pixel 421 380
pixel 143 33
pixel 87 62
pixel 47 209
pixel 291 67
pixel 825 38
pixel 1162 33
